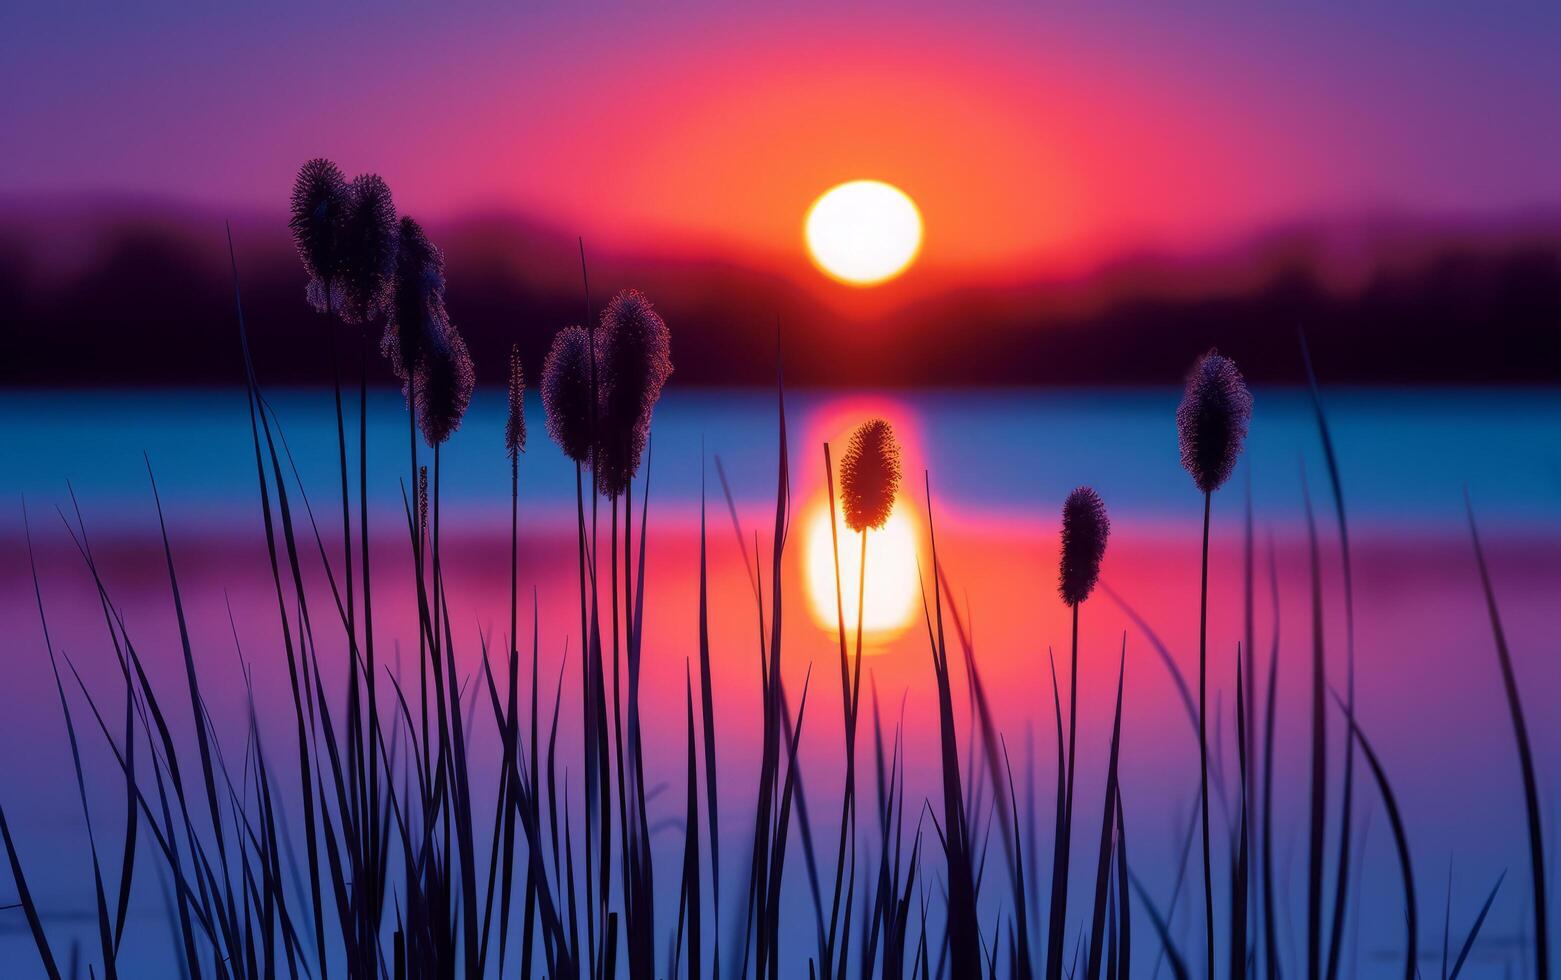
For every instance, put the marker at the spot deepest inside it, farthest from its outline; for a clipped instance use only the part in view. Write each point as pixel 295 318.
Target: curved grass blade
pixel 1525 759
pixel 25 899
pixel 1400 840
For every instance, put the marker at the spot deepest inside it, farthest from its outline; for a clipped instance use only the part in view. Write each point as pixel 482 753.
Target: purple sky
pixel 1057 131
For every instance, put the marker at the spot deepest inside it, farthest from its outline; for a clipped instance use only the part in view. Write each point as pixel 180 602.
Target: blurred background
pixel 1106 193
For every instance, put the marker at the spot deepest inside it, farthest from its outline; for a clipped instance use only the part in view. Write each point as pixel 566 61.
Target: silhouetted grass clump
pixel 406 870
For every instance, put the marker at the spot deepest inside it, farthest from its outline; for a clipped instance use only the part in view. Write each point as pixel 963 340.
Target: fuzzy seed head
pixel 416 313
pixel 515 424
pixel 368 250
pixel 444 387
pixel 566 393
pixel 1085 528
pixel 318 208
pixel 1212 420
pixel 618 453
pixel 869 475
pixel 634 354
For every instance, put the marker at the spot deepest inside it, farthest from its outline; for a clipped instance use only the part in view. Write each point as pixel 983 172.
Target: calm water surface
pixel 999 465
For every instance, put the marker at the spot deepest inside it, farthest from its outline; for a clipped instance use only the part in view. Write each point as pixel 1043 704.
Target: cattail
pixel 1212 420
pixel 1085 528
pixel 444 386
pixel 636 357
pixel 634 352
pixel 368 250
pixel 515 424
pixel 1211 424
pixel 869 475
pixel 319 206
pixel 417 316
pixel 566 393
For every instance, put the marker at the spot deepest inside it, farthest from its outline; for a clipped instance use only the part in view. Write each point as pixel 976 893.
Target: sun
pixel 863 232
pixel 889 603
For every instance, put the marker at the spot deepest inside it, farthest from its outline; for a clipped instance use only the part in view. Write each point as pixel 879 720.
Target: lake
pixel 998 465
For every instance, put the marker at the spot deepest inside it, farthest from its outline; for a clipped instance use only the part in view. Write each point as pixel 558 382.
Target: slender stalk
pixel 417 561
pixel 354 742
pixel 1203 740
pixel 1063 841
pixel 1249 785
pixel 1239 875
pixel 1270 931
pixel 376 855
pixel 861 598
pixel 708 706
pixel 1319 792
pixel 587 727
pixel 617 706
pixel 506 826
pixel 341 449
pixel 827 952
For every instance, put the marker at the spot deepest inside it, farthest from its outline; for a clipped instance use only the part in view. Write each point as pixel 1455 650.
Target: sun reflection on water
pixel 889 602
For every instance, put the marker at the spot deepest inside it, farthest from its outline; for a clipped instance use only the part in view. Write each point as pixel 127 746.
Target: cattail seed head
pixel 566 393
pixel 1212 420
pixel 515 424
pixel 1085 528
pixel 318 209
pixel 617 456
pixel 417 317
pixel 368 250
pixel 444 386
pixel 869 475
pixel 634 354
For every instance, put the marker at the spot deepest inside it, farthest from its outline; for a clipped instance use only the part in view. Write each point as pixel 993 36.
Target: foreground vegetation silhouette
pixel 401 876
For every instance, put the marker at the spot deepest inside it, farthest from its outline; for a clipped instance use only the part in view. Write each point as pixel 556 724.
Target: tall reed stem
pixel 1064 836
pixel 1319 793
pixel 376 855
pixel 1203 739
pixel 1270 937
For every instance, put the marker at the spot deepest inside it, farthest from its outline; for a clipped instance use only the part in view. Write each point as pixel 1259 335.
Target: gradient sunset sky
pixel 1030 134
